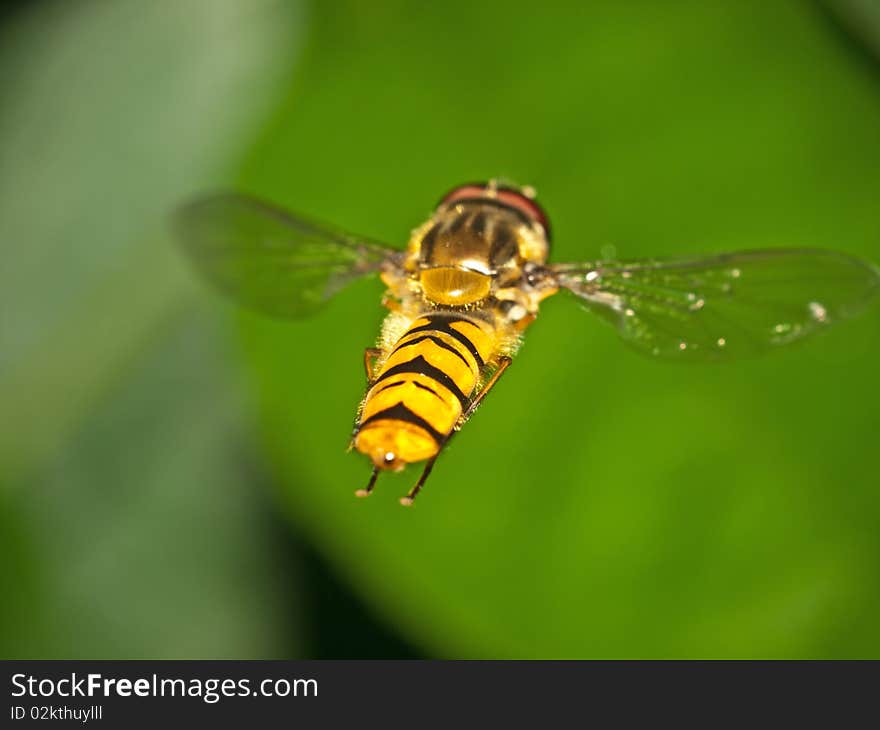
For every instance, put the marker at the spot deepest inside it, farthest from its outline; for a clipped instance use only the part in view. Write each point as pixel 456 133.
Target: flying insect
pixel 472 279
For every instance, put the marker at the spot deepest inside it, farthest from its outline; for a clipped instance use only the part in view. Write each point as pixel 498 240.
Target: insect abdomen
pixel 423 387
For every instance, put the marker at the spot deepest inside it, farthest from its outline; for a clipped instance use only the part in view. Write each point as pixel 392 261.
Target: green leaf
pixel 110 115
pixel 860 19
pixel 153 541
pixel 130 526
pixel 599 504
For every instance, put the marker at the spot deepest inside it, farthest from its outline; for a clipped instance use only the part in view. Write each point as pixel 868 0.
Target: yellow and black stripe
pixel 422 389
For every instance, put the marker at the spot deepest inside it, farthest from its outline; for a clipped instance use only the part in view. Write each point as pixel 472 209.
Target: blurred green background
pixel 173 475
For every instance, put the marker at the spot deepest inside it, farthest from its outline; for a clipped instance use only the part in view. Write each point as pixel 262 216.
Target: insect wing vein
pixel 271 260
pixel 726 305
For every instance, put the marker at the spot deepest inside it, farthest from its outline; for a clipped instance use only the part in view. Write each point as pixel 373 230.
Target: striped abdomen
pixel 422 389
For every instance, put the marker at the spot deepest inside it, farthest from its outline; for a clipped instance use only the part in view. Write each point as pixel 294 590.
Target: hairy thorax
pixel 470 256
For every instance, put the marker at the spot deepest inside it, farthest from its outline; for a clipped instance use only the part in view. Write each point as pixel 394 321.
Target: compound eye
pixel 454 287
pixel 527 205
pixel 462 192
pixel 513 198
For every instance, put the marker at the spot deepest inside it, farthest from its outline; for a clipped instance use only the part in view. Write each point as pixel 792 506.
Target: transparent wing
pixel 271 260
pixel 726 305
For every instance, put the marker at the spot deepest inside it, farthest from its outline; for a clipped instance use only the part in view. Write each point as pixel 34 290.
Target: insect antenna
pixel 372 483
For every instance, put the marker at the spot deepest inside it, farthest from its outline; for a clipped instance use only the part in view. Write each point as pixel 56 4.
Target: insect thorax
pixel 471 255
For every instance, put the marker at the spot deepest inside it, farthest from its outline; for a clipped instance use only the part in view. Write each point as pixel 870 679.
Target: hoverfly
pixel 471 281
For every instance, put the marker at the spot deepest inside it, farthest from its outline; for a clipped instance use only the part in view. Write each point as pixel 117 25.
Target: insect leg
pixel 525 322
pixel 372 483
pixel 370 355
pixel 411 495
pixel 391 302
pixel 503 364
